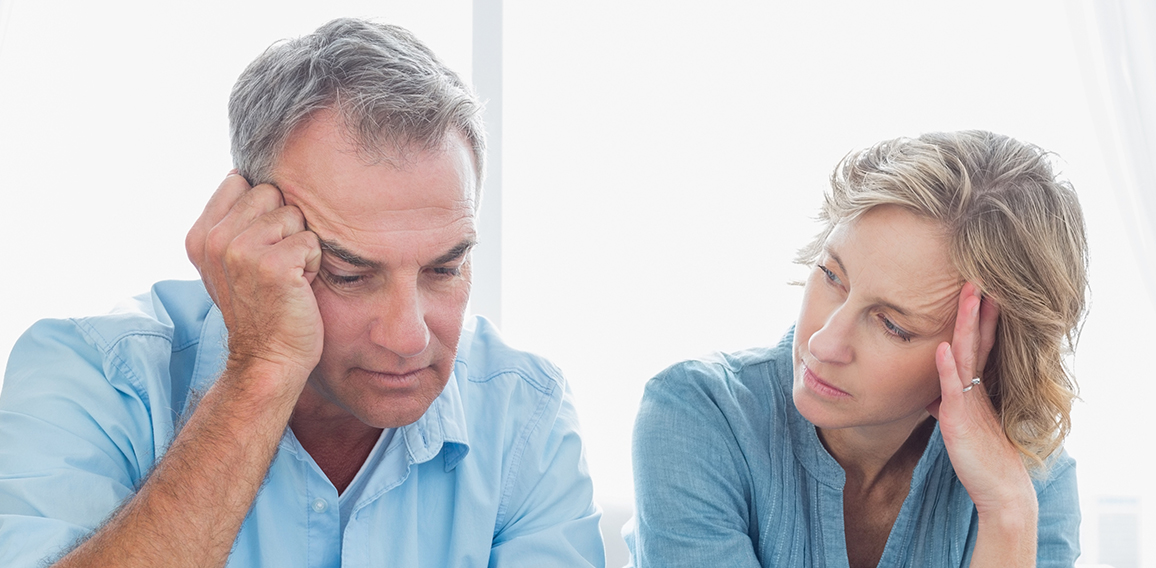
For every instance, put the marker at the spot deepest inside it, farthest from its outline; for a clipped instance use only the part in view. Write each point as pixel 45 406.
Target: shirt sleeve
pixel 691 485
pixel 1059 521
pixel 72 443
pixel 549 517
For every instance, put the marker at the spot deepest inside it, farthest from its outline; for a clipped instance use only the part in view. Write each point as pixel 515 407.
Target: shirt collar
pixel 213 349
pixel 442 425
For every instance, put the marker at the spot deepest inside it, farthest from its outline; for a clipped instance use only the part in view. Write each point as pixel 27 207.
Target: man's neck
pixel 337 441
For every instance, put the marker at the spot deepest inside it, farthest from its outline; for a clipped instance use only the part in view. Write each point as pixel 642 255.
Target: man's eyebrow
pixel 353 259
pixel 457 252
pixel 346 256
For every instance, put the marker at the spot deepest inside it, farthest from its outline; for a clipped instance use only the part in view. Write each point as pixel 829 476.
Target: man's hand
pixel 257 260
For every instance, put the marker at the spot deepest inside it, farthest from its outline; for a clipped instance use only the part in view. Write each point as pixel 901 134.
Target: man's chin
pixel 388 412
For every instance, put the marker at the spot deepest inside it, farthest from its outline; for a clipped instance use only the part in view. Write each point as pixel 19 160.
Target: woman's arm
pixel 692 488
pixel 985 461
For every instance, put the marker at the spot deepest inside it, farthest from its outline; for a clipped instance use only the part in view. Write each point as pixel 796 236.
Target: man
pixel 317 401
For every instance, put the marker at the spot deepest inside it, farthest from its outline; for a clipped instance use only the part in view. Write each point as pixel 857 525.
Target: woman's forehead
pixel 897 258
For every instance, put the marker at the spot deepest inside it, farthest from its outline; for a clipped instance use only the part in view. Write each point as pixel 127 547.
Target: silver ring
pixel 974 382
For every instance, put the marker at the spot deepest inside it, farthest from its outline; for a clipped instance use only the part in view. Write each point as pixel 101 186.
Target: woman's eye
pixel 830 275
pixel 894 329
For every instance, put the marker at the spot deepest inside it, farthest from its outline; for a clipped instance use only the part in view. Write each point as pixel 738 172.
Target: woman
pixel 914 415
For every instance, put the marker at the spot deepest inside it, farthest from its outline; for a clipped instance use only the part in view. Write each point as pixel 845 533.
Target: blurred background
pixel 657 165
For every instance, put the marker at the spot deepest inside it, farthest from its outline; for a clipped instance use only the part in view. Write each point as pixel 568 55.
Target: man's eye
pixel 343 279
pixel 448 271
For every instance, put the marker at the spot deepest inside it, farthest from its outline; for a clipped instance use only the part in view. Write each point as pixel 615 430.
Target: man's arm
pixel 551 518
pixel 257 262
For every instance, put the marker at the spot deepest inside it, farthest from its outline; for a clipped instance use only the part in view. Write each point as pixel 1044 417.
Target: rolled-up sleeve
pixel 1059 522
pixel 65 465
pixel 548 516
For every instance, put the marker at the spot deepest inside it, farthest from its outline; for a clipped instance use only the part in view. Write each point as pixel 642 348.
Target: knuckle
pixel 217 241
pixel 233 257
pixel 195 245
pixel 269 266
pixel 265 195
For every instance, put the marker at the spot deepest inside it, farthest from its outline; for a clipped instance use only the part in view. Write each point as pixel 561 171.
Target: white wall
pixel 662 163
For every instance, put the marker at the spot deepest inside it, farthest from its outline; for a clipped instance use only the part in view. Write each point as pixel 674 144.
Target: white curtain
pixel 1116 41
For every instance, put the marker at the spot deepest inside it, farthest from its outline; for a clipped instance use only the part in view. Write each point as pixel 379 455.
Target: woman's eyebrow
pixel 930 320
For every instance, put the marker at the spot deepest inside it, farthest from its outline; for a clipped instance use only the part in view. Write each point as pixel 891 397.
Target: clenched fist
pixel 257 261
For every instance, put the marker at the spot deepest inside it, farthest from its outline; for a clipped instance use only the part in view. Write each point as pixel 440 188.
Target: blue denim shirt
pixel 492 474
pixel 728 473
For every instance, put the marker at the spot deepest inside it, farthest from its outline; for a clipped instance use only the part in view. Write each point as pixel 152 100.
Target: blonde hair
pixel 1015 230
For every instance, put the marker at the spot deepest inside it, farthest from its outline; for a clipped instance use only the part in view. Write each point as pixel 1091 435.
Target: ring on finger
pixel 974 382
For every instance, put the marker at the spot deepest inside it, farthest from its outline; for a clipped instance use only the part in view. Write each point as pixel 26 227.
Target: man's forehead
pixel 326 131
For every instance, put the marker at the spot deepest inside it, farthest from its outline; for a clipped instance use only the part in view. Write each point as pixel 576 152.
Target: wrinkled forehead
pixel 325 174
pixel 900 258
pixel 399 150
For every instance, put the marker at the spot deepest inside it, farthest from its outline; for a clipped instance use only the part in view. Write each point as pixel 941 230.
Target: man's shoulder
pixel 171 310
pixel 147 345
pixel 484 356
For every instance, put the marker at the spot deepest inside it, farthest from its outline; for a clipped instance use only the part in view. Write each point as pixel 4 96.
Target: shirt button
pixel 319 505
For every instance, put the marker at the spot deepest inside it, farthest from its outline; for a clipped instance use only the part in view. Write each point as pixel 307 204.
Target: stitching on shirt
pixel 517 455
pixel 544 387
pixel 109 351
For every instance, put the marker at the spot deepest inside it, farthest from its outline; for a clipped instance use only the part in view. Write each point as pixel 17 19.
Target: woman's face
pixel 879 301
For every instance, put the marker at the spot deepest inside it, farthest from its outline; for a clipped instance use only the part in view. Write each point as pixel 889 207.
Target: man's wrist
pixel 264 380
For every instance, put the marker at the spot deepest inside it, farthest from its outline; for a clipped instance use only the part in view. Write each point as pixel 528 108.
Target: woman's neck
pixel 870 453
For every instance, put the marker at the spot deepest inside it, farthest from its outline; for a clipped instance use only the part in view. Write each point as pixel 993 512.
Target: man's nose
pixel 399 325
pixel 832 342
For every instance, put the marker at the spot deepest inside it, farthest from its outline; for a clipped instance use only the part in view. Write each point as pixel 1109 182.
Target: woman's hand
pixel 985 461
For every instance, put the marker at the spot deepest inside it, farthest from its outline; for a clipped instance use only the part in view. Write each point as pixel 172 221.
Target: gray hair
pixel 393 94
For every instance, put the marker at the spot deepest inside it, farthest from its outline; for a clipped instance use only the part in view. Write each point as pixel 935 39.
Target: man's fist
pixel 257 261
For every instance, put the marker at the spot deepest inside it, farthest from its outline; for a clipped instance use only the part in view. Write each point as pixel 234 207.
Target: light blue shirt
pixel 492 474
pixel 728 473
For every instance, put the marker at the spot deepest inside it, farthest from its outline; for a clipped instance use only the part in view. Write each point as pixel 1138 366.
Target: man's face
pixel 395 271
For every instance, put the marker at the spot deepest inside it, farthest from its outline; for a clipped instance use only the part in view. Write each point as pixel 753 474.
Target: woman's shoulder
pixel 742 386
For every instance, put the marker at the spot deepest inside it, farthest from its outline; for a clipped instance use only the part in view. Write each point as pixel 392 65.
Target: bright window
pixel 662 162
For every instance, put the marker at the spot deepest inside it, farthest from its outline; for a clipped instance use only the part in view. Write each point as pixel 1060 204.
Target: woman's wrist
pixel 1014 517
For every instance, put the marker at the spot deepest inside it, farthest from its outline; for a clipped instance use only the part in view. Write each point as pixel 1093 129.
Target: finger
pixel 965 338
pixel 309 246
pixel 949 389
pixel 988 321
pixel 951 394
pixel 222 200
pixel 256 202
pixel 282 263
pixel 252 205
pixel 232 188
pixel 269 229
